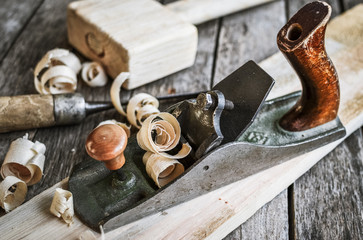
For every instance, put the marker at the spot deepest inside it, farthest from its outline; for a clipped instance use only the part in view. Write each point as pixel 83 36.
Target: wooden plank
pixel 237 44
pixel 14 14
pixel 200 11
pixel 196 78
pixel 269 222
pixel 248 36
pixel 295 5
pixel 329 198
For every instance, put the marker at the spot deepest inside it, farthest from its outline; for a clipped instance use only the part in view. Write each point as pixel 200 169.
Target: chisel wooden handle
pixel 35 111
pixel 25 112
pixel 301 40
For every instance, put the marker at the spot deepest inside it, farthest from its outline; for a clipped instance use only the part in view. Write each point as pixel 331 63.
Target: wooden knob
pixel 301 40
pixel 107 143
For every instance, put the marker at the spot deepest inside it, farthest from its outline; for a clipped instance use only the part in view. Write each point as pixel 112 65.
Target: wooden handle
pixel 107 143
pixel 301 40
pixel 199 11
pixel 26 112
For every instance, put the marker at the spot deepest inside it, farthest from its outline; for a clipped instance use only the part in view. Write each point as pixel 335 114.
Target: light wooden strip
pixel 214 215
pixel 199 11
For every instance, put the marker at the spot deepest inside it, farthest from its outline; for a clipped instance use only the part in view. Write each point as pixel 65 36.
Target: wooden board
pixel 345 221
pixel 239 200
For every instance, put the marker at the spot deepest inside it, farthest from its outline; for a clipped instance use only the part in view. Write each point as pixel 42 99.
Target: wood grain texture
pixel 329 198
pixel 236 45
pixel 196 78
pixel 150 42
pixel 295 5
pixel 200 11
pixel 14 15
pixel 270 222
pixel 248 36
pixel 302 43
pixel 19 112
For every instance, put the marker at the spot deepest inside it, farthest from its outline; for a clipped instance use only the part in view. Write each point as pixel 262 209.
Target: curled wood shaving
pixel 140 107
pixel 57 72
pixel 161 169
pixel 24 160
pixel 88 235
pixel 161 133
pixel 93 74
pixel 115 91
pixel 12 193
pixel 126 127
pixel 62 205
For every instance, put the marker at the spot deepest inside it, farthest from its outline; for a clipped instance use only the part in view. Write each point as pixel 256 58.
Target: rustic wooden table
pixel 325 203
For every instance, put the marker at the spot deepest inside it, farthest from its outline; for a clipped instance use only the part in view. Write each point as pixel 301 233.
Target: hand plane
pixel 233 131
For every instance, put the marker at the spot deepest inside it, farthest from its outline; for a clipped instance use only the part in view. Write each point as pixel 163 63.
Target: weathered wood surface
pixel 14 15
pixel 339 214
pixel 236 45
pixel 48 31
pixel 200 11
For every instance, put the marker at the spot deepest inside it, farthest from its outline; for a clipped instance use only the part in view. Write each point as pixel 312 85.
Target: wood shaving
pixel 162 170
pixel 24 160
pixel 88 235
pixel 126 127
pixel 93 74
pixel 140 107
pixel 57 72
pixel 115 91
pixel 12 193
pixel 62 205
pixel 167 133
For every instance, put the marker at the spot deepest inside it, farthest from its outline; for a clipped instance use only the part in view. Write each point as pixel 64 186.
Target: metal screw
pixel 205 101
pixel 228 105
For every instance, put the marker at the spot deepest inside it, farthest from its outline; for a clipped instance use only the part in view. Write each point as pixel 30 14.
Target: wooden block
pixel 136 36
pixel 141 36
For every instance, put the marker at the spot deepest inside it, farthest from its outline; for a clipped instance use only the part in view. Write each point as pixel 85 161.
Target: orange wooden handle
pixel 301 40
pixel 107 143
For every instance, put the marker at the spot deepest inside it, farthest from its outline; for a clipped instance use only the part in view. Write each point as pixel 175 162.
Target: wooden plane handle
pixel 301 40
pixel 199 11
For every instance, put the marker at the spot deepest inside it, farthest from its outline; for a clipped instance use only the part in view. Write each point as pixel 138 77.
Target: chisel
pixel 36 111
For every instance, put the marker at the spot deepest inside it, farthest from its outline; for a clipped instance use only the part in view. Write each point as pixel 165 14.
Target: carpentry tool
pixel 141 36
pixel 35 111
pixel 233 134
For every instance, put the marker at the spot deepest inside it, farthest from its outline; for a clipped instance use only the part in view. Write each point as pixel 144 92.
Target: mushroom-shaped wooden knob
pixel 107 143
